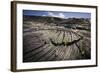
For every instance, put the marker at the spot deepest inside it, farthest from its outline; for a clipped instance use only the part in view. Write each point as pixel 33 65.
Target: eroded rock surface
pixel 52 39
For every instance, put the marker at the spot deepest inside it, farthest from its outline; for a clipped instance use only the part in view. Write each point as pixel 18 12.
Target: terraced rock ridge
pixel 55 39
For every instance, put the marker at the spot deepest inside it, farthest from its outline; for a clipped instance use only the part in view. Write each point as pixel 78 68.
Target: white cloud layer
pixel 43 15
pixel 61 15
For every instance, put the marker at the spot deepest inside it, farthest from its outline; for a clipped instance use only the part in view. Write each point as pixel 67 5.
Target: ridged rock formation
pixel 51 39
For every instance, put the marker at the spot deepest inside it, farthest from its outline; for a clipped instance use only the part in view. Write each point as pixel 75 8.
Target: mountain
pixel 58 20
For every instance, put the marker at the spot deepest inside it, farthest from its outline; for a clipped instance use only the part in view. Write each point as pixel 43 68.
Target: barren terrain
pixel 55 39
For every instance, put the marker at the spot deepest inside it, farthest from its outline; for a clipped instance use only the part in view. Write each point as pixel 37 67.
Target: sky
pixel 60 14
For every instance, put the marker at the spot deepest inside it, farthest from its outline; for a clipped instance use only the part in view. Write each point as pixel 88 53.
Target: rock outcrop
pixel 53 39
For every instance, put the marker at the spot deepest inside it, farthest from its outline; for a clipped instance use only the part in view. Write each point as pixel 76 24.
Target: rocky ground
pixel 53 39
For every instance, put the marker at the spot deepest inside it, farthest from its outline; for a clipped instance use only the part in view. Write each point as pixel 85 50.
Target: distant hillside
pixel 58 20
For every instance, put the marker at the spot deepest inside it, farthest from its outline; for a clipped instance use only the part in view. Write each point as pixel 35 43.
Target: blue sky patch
pixel 60 14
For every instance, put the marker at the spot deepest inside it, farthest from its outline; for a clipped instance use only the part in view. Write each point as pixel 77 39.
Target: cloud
pixel 43 15
pixel 61 15
pixel 51 14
